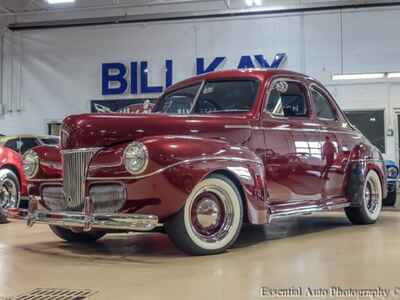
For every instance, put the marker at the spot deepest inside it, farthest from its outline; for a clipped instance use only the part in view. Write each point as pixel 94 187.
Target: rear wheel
pixel 370 204
pixel 9 189
pixel 78 237
pixel 391 198
pixel 211 219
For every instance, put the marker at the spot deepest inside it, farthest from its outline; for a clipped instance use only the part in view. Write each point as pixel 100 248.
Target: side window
pixel 12 144
pixel 322 105
pixel 27 144
pixel 287 99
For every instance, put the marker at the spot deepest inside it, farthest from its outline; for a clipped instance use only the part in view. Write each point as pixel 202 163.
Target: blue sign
pixel 116 81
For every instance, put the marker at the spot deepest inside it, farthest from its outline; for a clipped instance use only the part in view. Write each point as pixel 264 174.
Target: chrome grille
pixel 107 198
pixel 75 166
pixel 53 197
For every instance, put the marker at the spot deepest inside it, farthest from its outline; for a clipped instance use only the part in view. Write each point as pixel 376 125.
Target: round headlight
pixel 136 158
pixel 30 163
pixel 392 172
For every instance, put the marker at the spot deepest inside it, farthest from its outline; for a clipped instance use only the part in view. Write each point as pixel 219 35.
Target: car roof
pixel 261 74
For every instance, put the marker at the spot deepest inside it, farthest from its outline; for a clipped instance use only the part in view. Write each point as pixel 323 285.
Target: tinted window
pixel 371 124
pixel 12 144
pixel 178 102
pixel 287 99
pixel 50 141
pixel 323 106
pixel 27 144
pixel 228 96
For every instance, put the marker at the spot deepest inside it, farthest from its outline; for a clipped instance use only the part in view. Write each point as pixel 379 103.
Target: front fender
pixel 166 152
pixel 176 165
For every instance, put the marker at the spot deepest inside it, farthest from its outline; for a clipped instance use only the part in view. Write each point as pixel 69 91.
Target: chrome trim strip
pixel 205 158
pixel 79 150
pixel 367 160
pixel 289 129
pixel 47 180
pixel 134 222
pixel 196 97
pixel 306 210
pixel 238 127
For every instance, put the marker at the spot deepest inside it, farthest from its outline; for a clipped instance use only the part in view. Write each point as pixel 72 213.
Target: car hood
pixel 101 130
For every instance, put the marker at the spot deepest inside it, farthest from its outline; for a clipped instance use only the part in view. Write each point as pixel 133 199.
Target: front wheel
pixel 370 204
pixel 211 219
pixel 77 237
pixel 9 189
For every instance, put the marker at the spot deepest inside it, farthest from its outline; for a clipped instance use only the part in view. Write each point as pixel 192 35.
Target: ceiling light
pixel 59 1
pixel 358 76
pixel 393 75
pixel 253 2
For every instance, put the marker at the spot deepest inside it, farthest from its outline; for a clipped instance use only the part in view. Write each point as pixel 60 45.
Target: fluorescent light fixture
pixel 358 76
pixel 253 2
pixel 393 75
pixel 59 1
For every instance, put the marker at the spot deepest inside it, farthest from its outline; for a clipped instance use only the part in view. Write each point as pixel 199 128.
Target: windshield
pixel 224 96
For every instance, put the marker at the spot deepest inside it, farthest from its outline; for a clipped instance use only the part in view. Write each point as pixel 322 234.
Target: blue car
pixel 392 175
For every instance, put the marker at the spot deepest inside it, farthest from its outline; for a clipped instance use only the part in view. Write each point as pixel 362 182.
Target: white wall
pixel 49 74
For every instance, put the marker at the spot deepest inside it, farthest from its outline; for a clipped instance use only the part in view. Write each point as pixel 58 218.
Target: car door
pixel 334 151
pixel 291 144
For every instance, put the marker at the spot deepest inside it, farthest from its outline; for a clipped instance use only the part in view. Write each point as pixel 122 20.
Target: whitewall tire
pixel 211 219
pixel 371 203
pixel 9 189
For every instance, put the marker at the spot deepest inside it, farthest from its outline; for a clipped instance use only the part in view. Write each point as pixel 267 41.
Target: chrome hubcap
pixel 8 194
pixel 208 213
pixel 211 214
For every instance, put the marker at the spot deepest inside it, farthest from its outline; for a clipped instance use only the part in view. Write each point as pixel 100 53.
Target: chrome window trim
pixel 268 94
pixel 314 87
pixel 196 98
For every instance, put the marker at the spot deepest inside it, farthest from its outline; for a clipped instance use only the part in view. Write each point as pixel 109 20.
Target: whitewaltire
pixel 9 189
pixel 371 203
pixel 211 219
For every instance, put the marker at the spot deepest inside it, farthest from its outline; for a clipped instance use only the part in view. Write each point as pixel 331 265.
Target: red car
pixel 217 150
pixel 13 184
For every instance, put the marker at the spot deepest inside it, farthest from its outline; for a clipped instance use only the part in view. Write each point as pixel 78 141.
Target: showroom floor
pixel 313 251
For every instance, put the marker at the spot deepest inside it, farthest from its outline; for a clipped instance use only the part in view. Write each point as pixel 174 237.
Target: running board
pixel 307 210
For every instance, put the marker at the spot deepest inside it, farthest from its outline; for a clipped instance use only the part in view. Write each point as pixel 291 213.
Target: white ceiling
pixel 31 11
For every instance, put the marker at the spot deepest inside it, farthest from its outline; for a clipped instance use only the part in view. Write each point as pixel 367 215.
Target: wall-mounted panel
pixel 370 41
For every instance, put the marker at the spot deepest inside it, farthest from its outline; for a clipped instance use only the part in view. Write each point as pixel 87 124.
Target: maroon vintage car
pixel 218 150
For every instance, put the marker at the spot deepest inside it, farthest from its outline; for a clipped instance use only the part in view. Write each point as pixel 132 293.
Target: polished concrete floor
pixel 317 251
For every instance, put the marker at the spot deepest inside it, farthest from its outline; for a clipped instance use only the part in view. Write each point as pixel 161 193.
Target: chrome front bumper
pixel 86 220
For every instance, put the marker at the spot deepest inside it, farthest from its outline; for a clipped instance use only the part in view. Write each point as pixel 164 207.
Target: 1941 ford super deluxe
pixel 217 150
